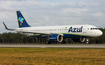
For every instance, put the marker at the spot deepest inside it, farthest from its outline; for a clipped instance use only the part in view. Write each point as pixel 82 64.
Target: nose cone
pixel 100 33
pixel 97 33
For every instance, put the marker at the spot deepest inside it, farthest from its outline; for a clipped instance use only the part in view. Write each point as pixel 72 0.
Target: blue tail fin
pixel 21 20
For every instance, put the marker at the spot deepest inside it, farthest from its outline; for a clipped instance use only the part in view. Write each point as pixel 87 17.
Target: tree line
pixel 19 38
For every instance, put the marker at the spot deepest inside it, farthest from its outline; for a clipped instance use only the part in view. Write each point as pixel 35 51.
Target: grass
pixel 51 56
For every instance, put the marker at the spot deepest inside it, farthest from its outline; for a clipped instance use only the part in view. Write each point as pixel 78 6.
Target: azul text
pixel 71 29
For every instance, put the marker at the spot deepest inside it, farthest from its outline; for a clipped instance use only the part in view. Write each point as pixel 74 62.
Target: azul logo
pixel 71 29
pixel 20 19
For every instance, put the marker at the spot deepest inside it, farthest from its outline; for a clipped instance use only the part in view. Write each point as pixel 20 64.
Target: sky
pixel 52 12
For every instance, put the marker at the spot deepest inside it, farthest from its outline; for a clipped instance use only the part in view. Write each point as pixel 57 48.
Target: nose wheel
pixel 87 40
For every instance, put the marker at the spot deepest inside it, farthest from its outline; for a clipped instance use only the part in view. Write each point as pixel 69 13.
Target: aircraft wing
pixel 28 31
pixel 7 28
pixel 39 33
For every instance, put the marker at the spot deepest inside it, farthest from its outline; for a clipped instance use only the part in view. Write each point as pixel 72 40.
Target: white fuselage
pixel 78 33
pixel 83 30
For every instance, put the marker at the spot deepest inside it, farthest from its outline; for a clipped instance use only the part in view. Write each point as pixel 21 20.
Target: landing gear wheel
pixel 63 42
pixel 87 40
pixel 48 42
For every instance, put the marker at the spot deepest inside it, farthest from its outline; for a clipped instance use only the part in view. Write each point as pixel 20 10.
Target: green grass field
pixel 51 56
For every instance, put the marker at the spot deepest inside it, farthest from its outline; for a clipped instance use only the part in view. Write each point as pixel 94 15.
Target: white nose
pixel 100 33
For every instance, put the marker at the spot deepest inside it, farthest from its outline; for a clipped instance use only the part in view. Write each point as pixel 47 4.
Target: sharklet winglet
pixel 7 28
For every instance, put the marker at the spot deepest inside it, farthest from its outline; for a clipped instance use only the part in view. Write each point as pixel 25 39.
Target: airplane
pixel 78 33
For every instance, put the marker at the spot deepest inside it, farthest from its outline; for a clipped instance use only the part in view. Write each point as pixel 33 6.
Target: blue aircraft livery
pixel 71 29
pixel 21 20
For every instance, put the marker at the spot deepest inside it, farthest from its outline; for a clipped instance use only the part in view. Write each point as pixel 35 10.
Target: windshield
pixel 94 29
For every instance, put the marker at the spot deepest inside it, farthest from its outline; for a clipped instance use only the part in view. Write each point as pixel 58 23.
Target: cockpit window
pixel 93 28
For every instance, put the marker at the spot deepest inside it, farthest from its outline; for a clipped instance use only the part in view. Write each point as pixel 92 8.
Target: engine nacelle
pixel 56 38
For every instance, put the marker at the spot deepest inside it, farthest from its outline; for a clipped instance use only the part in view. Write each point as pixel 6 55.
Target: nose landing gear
pixel 87 40
pixel 84 40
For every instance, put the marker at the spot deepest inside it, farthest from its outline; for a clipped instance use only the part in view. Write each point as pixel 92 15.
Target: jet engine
pixel 56 38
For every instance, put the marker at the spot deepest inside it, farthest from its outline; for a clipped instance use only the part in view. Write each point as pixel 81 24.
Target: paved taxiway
pixel 53 45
